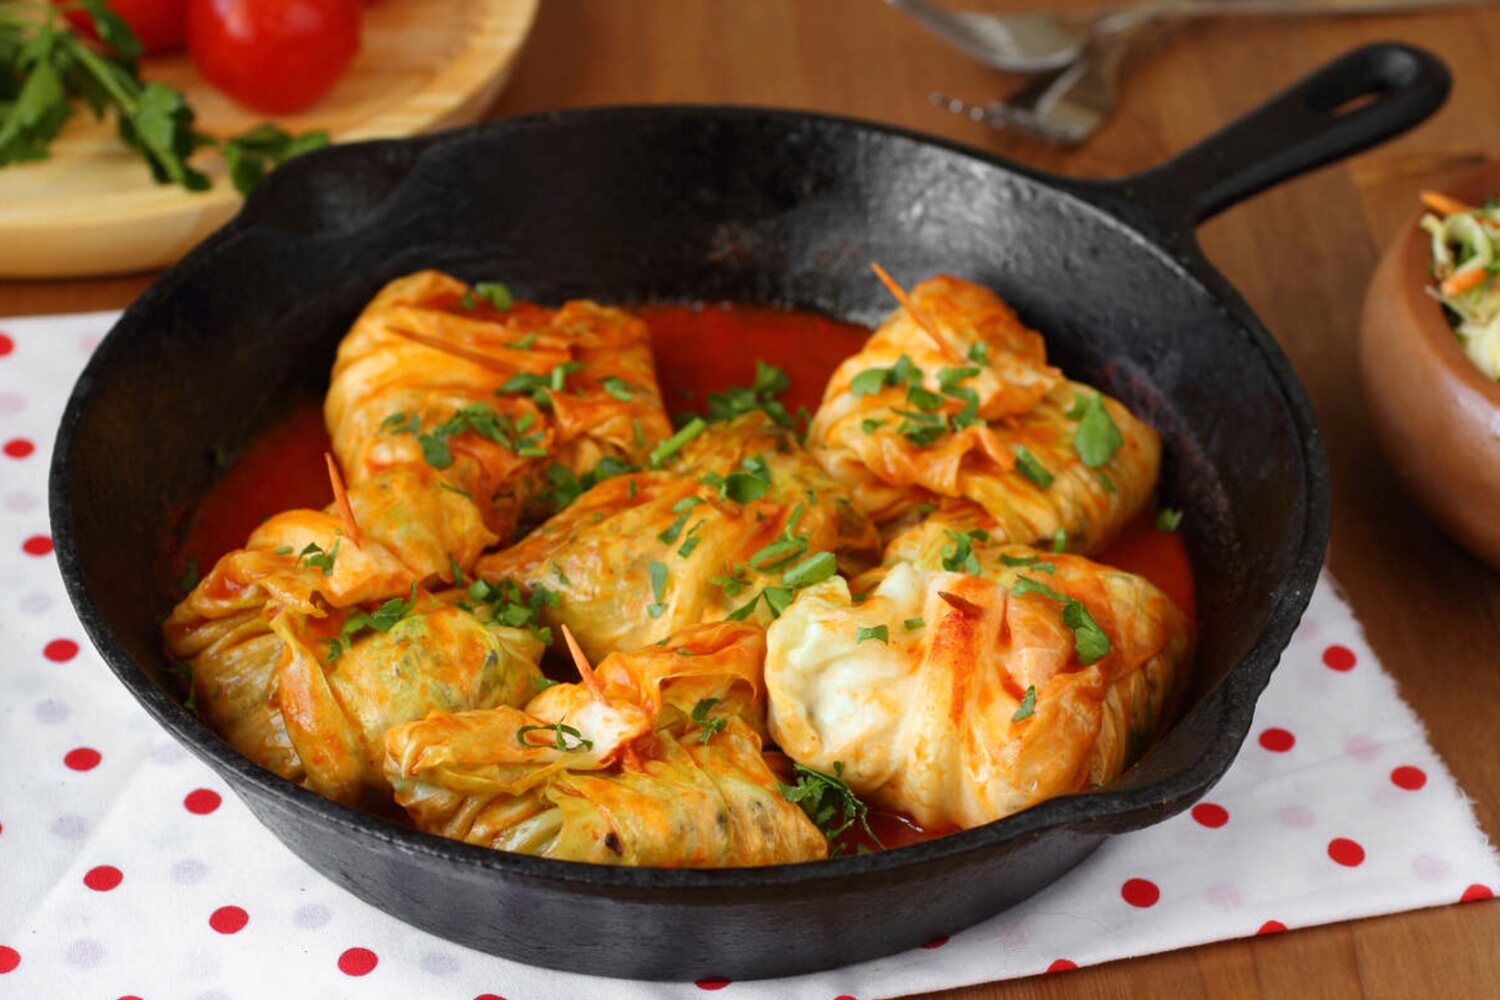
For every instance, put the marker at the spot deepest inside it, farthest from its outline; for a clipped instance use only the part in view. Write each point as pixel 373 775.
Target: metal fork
pixel 1036 42
pixel 1066 105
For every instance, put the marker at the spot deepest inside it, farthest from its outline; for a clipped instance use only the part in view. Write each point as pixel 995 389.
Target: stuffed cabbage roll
pixel 953 398
pixel 741 518
pixel 654 759
pixel 305 646
pixel 961 697
pixel 500 397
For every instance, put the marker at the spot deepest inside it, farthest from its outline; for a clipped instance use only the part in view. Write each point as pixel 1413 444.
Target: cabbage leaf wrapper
pixel 958 699
pixel 305 647
pixel 654 761
pixel 972 414
pixel 505 403
pixel 726 527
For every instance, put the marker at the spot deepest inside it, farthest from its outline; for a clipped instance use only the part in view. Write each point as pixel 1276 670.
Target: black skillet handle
pixel 1356 101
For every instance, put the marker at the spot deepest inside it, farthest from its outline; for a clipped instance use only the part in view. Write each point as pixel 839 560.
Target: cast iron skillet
pixel 663 203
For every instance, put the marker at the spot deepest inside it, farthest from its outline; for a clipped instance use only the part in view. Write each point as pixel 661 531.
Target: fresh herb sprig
pixel 46 70
pixel 382 619
pixel 828 801
pixel 708 724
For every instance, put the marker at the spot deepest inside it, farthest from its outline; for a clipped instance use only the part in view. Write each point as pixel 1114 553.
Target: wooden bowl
pixel 92 207
pixel 1436 414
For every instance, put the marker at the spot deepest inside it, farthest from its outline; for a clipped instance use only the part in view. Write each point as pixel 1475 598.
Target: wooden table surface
pixel 1300 254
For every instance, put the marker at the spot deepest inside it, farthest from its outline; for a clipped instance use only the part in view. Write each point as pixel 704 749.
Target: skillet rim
pixel 1109 202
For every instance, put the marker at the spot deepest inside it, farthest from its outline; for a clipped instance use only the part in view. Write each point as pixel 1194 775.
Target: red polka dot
pixel 358 962
pixel 1475 893
pixel 1062 965
pixel 1210 814
pixel 1277 740
pixel 937 942
pixel 1140 892
pixel 9 959
pixel 6 344
pixel 711 983
pixel 1271 927
pixel 1346 852
pixel 1408 777
pixel 19 448
pixel 37 545
pixel 82 759
pixel 130 996
pixel 60 650
pixel 845 996
pixel 228 919
pixel 103 878
pixel 489 996
pixel 201 801
pixel 1339 658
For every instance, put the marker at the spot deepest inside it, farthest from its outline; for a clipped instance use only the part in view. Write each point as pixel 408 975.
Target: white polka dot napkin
pixel 128 869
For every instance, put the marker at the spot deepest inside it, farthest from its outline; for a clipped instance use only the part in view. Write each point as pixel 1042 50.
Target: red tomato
pixel 161 25
pixel 276 56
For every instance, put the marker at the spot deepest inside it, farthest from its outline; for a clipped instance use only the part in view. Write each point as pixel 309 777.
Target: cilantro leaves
pixel 382 619
pixel 1097 438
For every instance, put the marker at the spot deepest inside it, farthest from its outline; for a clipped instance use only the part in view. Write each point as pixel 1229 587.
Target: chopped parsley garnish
pixel 921 429
pixel 543 683
pixel 618 388
pixel 684 510
pixel 1168 519
pixel 870 425
pixel 283 550
pixel 468 301
pixel 912 624
pixel 1029 466
pixel 509 607
pixel 1027 706
pixel 785 548
pixel 475 417
pixel 923 399
pixel 691 542
pixel 878 632
pixel 950 378
pixel 1107 483
pixel 454 489
pixel 539 387
pixel 495 294
pixel 675 443
pixel 315 557
pixel 960 557
pixel 1060 540
pixel 1035 562
pixel 770 382
pixel 563 487
pixel 710 724
pixel 658 574
pixel 872 380
pixel 828 801
pixel 979 352
pixel 1097 438
pixel 565 734
pixel 814 569
pixel 1089 639
pixel 458 574
pixel 562 577
pixel 524 344
pixel 731 585
pixel 382 619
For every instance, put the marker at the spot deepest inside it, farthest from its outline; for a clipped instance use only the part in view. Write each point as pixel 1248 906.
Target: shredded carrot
pixel 341 497
pixel 1463 281
pixel 911 307
pixel 1442 204
pixel 960 604
pixel 585 671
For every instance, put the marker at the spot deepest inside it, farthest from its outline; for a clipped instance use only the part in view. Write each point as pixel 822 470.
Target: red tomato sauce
pixel 698 349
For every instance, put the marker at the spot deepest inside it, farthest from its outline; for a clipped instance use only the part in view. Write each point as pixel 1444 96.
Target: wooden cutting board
pixel 93 209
